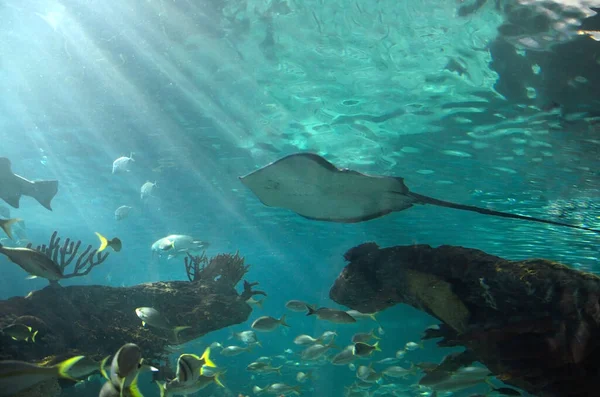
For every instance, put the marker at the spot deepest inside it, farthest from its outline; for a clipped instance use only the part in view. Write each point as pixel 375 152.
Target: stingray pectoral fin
pixel 441 203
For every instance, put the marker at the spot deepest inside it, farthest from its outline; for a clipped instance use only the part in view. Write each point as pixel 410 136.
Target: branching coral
pixel 65 254
pixel 225 269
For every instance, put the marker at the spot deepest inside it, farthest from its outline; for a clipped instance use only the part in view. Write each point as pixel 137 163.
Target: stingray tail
pixel 430 200
pixel 44 192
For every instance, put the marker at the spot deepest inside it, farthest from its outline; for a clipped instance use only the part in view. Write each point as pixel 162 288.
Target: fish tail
pixel 206 357
pixel 162 388
pixel 44 192
pixel 374 318
pixel 103 367
pixel 33 336
pixel 311 310
pixel 260 303
pixel 64 367
pixel 376 346
pixel 282 321
pixel 374 335
pixel 278 370
pixel 103 242
pixel 297 390
pixel 6 224
pixel 177 330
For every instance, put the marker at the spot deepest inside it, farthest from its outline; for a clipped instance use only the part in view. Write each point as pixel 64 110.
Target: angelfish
pixel 33 262
pixel 124 371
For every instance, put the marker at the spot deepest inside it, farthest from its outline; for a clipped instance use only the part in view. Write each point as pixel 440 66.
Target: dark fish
pixel 332 315
pixel 20 332
pixel 314 188
pixel 114 243
pixel 364 349
pixel 19 375
pixel 13 186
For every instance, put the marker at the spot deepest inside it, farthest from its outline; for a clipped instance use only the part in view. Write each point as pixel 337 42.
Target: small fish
pixel 296 306
pixel 19 375
pixel 190 366
pixel 114 243
pixel 364 349
pixel 147 190
pixel 13 186
pixel 302 377
pixel 248 337
pixel 256 302
pixel 231 351
pixel 364 337
pixel 399 372
pixel 20 332
pixel 328 334
pixel 316 351
pixel 304 340
pixel 123 164
pixel 400 354
pixel 153 318
pixel 85 367
pixel 344 357
pixel 178 244
pixel 362 316
pixel 351 366
pixel 388 361
pixel 263 368
pixel 6 224
pixel 332 315
pixel 216 345
pixel 33 262
pixel 268 323
pixel 175 387
pixel 122 212
pixel 363 372
pixel 283 389
pixel 411 346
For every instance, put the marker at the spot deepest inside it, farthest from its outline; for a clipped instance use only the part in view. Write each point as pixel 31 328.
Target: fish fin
pixel 297 390
pixel 33 336
pixel 374 335
pixel 282 321
pixel 177 330
pixel 374 318
pixel 103 242
pixel 64 367
pixel 13 338
pixel 278 370
pixel 206 357
pixel 143 323
pixel 134 391
pixel 6 224
pixel 43 192
pixel 218 380
pixel 31 277
pixel 260 303
pixel 376 346
pixel 162 388
pixel 311 310
pixel 258 343
pixel 103 367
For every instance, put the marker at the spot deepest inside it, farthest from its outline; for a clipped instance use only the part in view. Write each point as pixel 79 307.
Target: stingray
pixel 314 188
pixel 12 187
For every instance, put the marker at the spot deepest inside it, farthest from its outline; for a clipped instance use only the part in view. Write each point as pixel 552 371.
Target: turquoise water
pixel 486 107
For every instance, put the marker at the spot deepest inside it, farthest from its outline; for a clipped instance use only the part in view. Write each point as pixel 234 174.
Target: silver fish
pixel 344 357
pixel 33 262
pixel 122 164
pixel 230 351
pixel 268 323
pixel 296 306
pixel 177 244
pixel 122 212
pixel 155 319
pixel 175 387
pixel 332 315
pixel 147 190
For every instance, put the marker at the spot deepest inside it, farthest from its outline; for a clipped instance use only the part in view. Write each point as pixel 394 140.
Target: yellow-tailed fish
pixel 114 243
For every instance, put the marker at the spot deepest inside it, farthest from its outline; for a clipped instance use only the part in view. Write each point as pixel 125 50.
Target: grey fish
pixel 312 187
pixel 248 337
pixel 122 164
pixel 33 262
pixel 175 387
pixel 263 368
pixel 147 190
pixel 315 351
pixel 296 306
pixel 456 380
pixel 122 212
pixel 332 315
pixel 154 318
pixel 283 389
pixel 13 186
pixel 344 357
pixel 364 336
pixel 268 323
pixel 231 351
pixel 19 375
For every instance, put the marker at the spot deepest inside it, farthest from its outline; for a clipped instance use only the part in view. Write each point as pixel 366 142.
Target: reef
pixel 95 320
pixel 534 323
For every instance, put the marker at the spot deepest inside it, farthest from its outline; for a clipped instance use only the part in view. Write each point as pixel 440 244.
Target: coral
pixel 64 255
pixel 224 269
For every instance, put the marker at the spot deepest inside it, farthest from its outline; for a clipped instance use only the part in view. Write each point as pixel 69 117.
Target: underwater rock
pixel 96 320
pixel 534 323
